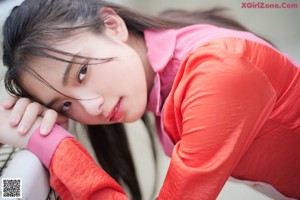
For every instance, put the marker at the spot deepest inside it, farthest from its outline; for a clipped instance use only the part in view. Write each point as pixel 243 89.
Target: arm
pixel 73 173
pixel 219 103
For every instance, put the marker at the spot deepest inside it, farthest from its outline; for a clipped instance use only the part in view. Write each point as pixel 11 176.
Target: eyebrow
pixel 51 103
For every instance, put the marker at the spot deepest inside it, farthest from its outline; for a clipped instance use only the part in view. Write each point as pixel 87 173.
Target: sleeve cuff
pixel 44 146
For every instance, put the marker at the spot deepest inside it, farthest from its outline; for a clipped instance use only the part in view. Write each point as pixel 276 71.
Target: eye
pixel 65 107
pixel 82 72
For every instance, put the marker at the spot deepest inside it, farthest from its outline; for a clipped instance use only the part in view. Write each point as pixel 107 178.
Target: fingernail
pixel 44 130
pixel 7 103
pixel 22 128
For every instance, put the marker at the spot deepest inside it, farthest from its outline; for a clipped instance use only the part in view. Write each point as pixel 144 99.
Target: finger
pixel 9 102
pixel 18 111
pixel 49 119
pixel 59 118
pixel 31 113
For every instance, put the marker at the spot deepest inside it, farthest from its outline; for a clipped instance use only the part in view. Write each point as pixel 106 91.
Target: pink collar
pixel 160 46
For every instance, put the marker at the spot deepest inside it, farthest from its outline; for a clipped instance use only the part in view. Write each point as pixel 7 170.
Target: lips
pixel 116 113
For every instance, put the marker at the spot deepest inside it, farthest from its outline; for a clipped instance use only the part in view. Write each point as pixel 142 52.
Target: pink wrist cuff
pixel 44 146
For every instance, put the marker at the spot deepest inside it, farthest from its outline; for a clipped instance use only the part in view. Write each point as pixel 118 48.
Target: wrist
pixel 34 128
pixel 44 146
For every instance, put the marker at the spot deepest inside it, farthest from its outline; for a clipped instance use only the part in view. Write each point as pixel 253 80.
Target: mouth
pixel 116 113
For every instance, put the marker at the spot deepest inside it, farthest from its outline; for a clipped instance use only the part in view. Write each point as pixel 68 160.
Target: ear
pixel 114 24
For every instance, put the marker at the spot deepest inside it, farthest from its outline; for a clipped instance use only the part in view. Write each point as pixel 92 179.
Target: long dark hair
pixel 32 25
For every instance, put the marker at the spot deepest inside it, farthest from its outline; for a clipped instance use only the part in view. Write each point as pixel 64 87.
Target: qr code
pixel 11 188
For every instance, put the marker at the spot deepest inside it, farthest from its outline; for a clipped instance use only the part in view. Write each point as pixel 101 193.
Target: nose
pixel 93 106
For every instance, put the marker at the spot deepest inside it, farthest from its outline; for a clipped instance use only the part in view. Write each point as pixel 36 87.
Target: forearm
pixel 74 174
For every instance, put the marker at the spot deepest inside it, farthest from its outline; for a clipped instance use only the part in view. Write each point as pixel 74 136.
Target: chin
pixel 133 117
pixel 135 111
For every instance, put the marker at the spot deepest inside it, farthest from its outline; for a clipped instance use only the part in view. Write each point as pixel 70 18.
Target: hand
pixel 9 134
pixel 24 112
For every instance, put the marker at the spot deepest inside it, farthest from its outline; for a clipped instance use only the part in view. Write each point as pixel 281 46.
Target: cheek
pixel 115 76
pixel 79 114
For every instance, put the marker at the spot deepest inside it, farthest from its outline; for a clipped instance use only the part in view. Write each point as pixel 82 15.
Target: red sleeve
pixel 218 103
pixel 74 175
pixel 73 172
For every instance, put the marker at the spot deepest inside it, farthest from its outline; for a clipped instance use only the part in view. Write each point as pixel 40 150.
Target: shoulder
pixel 231 58
pixel 227 64
pixel 221 55
pixel 232 52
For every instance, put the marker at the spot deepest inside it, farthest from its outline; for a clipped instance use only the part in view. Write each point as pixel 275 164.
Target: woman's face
pixel 92 91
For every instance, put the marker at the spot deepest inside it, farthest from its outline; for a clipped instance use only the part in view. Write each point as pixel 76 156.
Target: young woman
pixel 226 102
